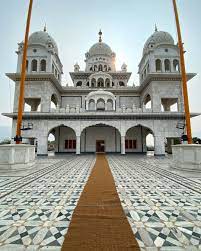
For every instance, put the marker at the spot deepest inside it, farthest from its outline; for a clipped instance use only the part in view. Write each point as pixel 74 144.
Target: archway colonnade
pixel 129 142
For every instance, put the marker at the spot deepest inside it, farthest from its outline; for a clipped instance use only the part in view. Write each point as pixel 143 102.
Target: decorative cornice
pixel 102 115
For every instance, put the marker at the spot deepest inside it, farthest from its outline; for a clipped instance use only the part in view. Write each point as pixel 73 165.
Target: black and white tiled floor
pixel 36 208
pixel 163 205
pixel 163 208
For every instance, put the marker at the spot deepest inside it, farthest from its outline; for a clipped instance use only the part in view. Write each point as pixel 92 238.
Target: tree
pixel 5 141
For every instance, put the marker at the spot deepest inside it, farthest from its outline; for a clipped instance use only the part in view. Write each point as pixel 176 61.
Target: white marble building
pixel 101 112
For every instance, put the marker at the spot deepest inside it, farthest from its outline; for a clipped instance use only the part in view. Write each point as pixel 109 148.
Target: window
pixel 100 68
pixel 34 65
pixel 130 143
pixel 43 65
pixel 70 144
pixel 53 68
pixel 167 65
pixel 158 65
pixel 176 65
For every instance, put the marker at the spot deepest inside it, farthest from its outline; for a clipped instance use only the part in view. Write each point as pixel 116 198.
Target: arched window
pixel 105 67
pixel 109 105
pixel 109 69
pixel 112 83
pixel 100 82
pixel 158 65
pixel 147 102
pixel 100 68
pixel 121 83
pixel 100 105
pixel 91 105
pixel 148 68
pixel 87 84
pixel 145 72
pixel 55 72
pixel 176 65
pixel 167 65
pixel 43 65
pixel 52 68
pixel 79 83
pixel 93 82
pixel 34 65
pixel 91 69
pixel 95 67
pixel 107 82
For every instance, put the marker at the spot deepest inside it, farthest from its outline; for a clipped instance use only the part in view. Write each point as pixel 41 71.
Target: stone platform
pixel 187 157
pixel 14 156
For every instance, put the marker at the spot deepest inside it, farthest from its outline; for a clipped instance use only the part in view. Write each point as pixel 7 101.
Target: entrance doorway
pixel 100 146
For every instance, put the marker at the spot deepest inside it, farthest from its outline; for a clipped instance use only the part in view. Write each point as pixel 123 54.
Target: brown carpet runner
pixel 99 222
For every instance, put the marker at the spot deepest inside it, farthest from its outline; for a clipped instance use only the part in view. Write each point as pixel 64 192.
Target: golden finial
pixel 156 28
pixel 45 28
pixel 100 36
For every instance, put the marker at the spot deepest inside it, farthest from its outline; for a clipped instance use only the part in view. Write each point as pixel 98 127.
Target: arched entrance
pixel 137 139
pixel 64 139
pixel 100 138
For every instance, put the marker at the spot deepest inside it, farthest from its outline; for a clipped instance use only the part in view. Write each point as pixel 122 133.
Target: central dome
pixel 42 38
pixel 100 48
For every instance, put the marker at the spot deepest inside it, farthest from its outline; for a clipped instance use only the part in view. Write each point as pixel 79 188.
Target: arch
pixel 65 138
pixel 110 105
pixel 95 68
pixel 34 65
pixel 176 65
pixel 91 106
pixel 95 123
pixel 158 65
pixel 79 83
pixel 147 102
pixel 54 101
pixel 107 82
pixel 167 65
pixel 100 82
pixel 136 139
pixel 87 84
pixel 105 67
pixel 100 67
pixel 93 82
pixel 102 135
pixel 100 106
pixel 121 83
pixel 43 65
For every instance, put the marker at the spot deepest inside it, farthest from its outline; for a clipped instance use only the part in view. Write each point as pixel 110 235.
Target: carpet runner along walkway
pixel 99 222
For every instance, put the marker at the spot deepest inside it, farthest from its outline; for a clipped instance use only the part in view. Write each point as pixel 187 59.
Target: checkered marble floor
pixel 36 205
pixel 163 206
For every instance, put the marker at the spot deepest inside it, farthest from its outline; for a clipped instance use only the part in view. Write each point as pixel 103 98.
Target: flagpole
pixel 183 73
pixel 18 137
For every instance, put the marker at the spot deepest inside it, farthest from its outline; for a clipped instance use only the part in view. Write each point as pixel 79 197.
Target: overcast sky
pixel 74 25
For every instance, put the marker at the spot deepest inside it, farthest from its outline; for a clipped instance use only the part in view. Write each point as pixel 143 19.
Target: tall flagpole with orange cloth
pixel 183 73
pixel 18 137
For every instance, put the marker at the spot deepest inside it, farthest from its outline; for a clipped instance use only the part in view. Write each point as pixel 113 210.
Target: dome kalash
pixel 100 57
pixel 156 39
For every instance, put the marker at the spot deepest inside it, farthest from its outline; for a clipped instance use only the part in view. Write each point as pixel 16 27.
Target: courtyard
pixel 162 205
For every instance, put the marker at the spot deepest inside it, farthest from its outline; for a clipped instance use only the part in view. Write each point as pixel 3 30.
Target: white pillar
pixel 123 145
pixel 77 144
pixel 42 145
pixel 159 145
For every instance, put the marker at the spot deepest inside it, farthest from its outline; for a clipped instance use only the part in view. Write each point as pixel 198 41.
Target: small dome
pixel 159 37
pixel 42 38
pixel 100 48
